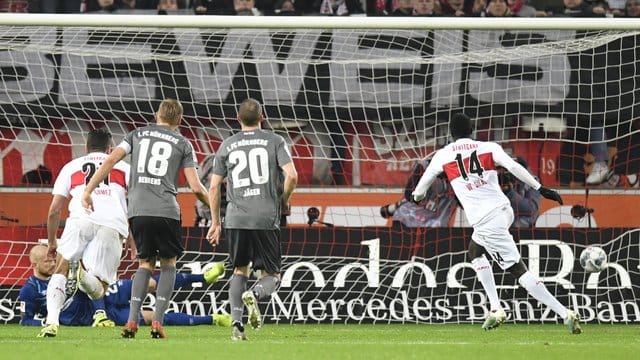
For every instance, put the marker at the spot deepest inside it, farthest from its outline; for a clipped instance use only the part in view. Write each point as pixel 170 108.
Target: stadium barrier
pixel 382 275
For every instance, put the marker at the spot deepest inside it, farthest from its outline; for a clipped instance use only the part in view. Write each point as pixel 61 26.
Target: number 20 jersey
pixel 109 198
pixel 251 161
pixel 157 155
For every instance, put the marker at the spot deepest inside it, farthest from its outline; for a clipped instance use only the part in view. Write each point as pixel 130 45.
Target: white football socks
pixel 484 271
pixel 91 285
pixel 539 291
pixel 56 296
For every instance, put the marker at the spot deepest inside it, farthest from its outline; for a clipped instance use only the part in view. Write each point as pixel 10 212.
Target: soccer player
pixel 94 236
pixel 33 295
pixel 115 304
pixel 158 152
pixel 79 310
pixel 470 167
pixel 252 160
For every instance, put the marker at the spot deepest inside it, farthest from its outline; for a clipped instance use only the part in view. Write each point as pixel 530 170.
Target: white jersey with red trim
pixel 109 198
pixel 470 166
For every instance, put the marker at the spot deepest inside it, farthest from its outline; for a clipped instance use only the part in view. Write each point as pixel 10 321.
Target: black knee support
pixel 475 250
pixel 517 269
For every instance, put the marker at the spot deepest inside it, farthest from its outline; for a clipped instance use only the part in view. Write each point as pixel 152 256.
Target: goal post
pixel 359 100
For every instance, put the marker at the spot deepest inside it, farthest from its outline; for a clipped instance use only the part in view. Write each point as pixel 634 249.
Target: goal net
pixel 360 101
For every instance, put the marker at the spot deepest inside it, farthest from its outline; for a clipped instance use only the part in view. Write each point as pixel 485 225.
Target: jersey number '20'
pixel 256 160
pixel 158 162
pixel 474 166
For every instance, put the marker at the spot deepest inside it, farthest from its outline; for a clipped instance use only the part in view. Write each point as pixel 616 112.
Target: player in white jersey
pixel 470 166
pixel 94 238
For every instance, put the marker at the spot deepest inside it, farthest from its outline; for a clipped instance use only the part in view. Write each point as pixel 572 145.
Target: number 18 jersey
pixel 157 155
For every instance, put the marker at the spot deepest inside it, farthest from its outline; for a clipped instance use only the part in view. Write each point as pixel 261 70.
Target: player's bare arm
pixel 213 235
pixel 290 183
pixel 196 185
pixel 53 222
pixel 103 171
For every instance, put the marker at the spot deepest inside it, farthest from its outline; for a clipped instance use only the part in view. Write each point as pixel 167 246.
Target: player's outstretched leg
pixel 50 330
pixel 251 303
pixel 223 320
pixel 212 275
pixel 129 330
pixel 573 322
pixel 495 318
pixel 237 332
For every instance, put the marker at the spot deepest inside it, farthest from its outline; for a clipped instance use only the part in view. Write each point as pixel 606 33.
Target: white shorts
pixel 492 233
pixel 99 247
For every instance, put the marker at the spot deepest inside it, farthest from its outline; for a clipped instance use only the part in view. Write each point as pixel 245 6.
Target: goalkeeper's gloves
pixel 550 194
pixel 100 319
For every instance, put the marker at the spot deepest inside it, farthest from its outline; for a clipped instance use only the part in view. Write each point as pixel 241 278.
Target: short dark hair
pixel 250 112
pixel 460 126
pixel 99 140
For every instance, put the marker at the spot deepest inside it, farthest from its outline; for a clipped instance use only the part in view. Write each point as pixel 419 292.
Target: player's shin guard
pixel 139 289
pixel 265 286
pixel 484 272
pixel 56 296
pixel 91 285
pixel 164 291
pixel 237 286
pixel 539 291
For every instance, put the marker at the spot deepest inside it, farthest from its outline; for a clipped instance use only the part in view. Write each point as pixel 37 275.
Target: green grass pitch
pixel 521 341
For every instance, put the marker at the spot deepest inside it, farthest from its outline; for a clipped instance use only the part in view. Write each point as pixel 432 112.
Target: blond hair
pixel 170 112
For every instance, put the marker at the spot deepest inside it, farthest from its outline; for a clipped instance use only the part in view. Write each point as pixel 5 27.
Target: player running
pixel 470 166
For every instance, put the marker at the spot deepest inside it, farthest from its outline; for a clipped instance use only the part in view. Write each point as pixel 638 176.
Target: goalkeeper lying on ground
pixel 113 308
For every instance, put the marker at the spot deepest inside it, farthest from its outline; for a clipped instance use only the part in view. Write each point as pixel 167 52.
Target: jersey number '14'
pixel 474 166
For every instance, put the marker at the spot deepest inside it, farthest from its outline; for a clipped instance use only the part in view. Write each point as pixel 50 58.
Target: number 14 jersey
pixel 470 167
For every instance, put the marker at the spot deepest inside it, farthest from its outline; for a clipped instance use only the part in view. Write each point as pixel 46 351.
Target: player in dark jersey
pixel 33 295
pixel 158 152
pixel 252 161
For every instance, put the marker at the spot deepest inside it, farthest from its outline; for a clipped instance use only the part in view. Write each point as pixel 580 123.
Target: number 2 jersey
pixel 157 154
pixel 109 198
pixel 470 167
pixel 251 161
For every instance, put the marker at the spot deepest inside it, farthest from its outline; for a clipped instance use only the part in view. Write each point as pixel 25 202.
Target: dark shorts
pixel 156 237
pixel 259 247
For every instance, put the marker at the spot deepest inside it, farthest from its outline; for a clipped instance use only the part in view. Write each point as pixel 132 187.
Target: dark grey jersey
pixel 157 155
pixel 251 162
